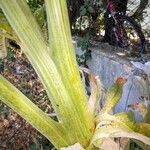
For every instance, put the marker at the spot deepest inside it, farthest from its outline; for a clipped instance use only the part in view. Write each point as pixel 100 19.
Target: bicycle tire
pixel 137 30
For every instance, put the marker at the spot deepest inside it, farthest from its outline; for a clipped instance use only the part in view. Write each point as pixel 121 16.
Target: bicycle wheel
pixel 133 37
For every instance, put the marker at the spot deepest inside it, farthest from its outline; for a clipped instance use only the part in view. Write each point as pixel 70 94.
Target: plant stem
pixel 59 75
pixel 63 55
pixel 35 116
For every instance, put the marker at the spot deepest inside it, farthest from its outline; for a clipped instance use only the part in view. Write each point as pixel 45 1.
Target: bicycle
pixel 124 32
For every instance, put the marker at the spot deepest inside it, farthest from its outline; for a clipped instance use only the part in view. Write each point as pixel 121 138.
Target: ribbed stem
pixel 59 75
pixel 63 55
pixel 35 116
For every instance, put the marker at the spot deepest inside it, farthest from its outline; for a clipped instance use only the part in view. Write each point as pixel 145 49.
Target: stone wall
pixel 109 63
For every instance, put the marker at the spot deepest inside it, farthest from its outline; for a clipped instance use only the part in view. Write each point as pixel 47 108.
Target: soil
pixel 15 132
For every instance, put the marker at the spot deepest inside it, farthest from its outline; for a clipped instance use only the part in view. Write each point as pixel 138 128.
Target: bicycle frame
pixel 117 29
pixel 110 6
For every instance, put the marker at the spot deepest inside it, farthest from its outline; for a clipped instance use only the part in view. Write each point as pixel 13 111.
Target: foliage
pixel 35 4
pixel 87 24
pixel 84 44
pixel 6 32
pixel 87 8
pixel 56 66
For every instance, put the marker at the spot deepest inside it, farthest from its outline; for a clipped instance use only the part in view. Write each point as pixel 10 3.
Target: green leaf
pixel 63 55
pixel 40 16
pixel 122 121
pixel 143 128
pixel 120 125
pixel 90 10
pixel 113 95
pixel 81 8
pixel 38 53
pixel 106 121
pixel 126 118
pixel 4 24
pixel 83 12
pixel 59 72
pixel 5 29
pixel 36 50
pixel 29 111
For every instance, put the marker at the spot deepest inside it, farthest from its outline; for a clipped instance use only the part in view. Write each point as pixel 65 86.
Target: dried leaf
pixel 109 144
pixel 76 146
pixel 120 125
pixel 111 131
pixel 95 93
pixel 142 145
pixel 96 86
pixel 133 135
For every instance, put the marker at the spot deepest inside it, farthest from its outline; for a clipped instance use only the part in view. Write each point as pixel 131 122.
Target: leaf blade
pixel 29 111
pixel 64 57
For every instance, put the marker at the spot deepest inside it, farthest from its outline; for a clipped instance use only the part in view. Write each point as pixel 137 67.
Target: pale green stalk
pixel 35 116
pixel 35 48
pixel 59 74
pixel 63 55
pixel 62 83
